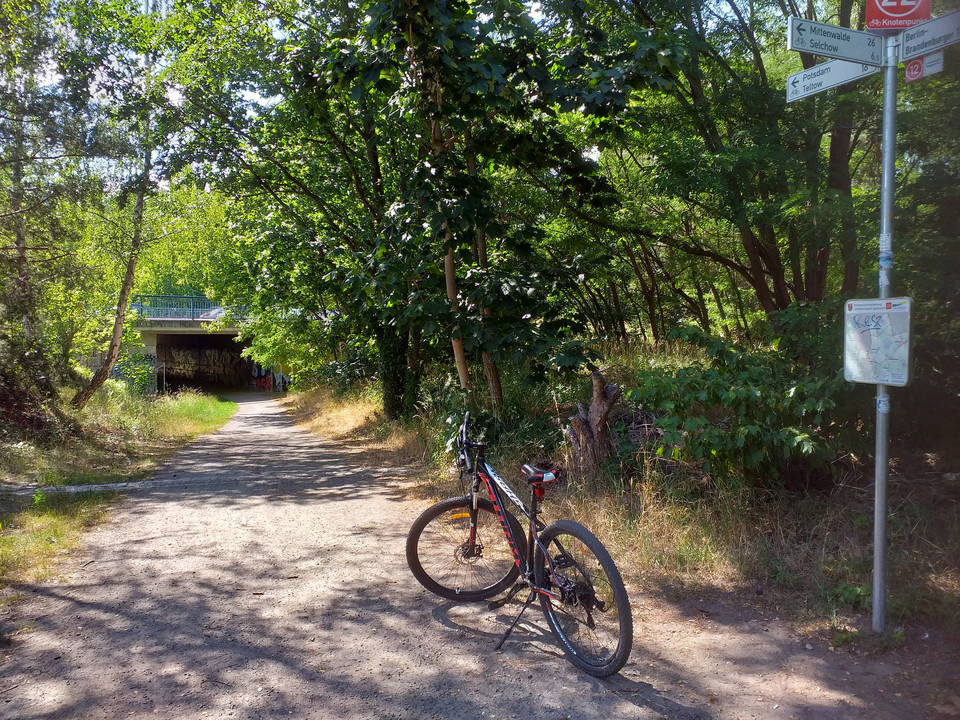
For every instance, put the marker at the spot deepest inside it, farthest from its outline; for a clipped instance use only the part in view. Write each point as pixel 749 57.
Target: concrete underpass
pixel 187 353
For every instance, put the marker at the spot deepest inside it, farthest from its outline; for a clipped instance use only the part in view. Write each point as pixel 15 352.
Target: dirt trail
pixel 261 575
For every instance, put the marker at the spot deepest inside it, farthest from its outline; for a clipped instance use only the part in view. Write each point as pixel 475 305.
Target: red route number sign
pixel 914 69
pixel 896 15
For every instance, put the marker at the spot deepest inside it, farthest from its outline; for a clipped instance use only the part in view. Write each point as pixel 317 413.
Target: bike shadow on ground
pixel 532 643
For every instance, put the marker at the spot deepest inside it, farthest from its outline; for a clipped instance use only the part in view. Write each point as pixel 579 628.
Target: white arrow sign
pixel 930 35
pixel 834 42
pixel 825 76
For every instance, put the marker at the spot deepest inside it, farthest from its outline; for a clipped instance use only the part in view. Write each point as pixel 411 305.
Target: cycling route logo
pixel 896 14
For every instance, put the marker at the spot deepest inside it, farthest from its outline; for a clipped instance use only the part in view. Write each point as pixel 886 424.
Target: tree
pixel 724 159
pixel 42 136
pixel 367 193
pixel 124 38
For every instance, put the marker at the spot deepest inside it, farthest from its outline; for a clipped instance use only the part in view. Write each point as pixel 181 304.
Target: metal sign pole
pixel 881 455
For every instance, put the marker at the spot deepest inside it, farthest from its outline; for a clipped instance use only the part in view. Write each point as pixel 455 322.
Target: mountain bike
pixel 472 548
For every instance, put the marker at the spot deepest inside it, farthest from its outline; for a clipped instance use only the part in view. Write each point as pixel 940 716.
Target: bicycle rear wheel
pixel 441 557
pixel 590 614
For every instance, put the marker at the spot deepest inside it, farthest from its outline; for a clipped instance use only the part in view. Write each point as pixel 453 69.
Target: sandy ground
pixel 261 574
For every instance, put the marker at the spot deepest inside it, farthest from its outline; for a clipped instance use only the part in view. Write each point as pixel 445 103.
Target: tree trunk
pixel 459 355
pixel 24 293
pixel 392 350
pixel 589 431
pixel 839 180
pixel 113 354
pixel 490 369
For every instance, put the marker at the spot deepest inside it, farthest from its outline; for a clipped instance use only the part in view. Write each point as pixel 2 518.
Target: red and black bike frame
pixel 497 487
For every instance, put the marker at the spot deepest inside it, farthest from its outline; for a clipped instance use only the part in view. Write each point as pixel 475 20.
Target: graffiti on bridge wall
pixel 213 365
pixel 271 379
pixel 220 366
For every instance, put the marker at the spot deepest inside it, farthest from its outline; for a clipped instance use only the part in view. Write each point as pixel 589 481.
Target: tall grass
pixel 187 415
pixel 124 436
pixel 120 411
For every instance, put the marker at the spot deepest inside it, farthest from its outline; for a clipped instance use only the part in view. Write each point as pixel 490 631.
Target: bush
pixel 751 415
pixel 136 369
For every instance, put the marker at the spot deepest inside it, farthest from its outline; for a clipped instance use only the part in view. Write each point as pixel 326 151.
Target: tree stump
pixel 589 431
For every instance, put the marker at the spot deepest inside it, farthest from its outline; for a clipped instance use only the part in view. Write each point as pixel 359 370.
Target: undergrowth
pixel 749 523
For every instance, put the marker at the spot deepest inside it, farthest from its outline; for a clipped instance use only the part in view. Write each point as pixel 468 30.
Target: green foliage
pixel 852 596
pixel 742 414
pixel 136 369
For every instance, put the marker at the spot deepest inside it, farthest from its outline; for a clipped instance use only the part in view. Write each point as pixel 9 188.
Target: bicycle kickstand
pixel 495 604
pixel 505 635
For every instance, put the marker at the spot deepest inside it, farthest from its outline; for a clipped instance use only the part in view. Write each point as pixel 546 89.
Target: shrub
pixel 743 414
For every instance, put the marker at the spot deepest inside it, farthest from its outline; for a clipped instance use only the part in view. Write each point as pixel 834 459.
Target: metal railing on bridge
pixel 176 307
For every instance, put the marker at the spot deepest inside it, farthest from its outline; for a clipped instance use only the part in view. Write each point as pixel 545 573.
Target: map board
pixel 876 341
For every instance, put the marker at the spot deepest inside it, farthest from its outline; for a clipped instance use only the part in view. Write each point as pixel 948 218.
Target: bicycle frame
pixel 497 487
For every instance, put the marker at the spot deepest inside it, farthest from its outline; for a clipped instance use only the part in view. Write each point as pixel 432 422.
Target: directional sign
pixel 932 35
pixel 925 66
pixel 833 41
pixel 825 76
pixel 889 16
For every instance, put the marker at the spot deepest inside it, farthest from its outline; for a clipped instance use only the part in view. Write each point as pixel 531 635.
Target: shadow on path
pixel 261 574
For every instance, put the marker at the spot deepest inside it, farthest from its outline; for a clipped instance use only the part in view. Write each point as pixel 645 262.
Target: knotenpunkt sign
pixel 895 15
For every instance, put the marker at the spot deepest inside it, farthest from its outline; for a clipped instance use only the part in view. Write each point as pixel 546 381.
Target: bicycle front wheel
pixel 589 610
pixel 442 558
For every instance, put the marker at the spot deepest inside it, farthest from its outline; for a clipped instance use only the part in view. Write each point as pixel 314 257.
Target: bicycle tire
pixel 592 620
pixel 435 551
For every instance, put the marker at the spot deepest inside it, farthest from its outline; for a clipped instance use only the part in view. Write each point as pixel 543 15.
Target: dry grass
pixel 672 530
pixel 102 457
pixel 35 532
pixel 656 541
pixel 357 420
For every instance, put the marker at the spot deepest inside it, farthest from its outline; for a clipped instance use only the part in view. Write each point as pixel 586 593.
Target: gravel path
pixel 261 575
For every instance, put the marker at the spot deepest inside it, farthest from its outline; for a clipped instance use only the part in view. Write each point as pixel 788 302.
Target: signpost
pixel 932 35
pixel 896 25
pixel 834 42
pixel 825 76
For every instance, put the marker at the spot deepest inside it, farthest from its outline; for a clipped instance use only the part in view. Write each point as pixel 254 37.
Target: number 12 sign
pixel 895 15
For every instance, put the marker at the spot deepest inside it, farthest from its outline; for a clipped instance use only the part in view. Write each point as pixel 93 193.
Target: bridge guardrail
pixel 176 307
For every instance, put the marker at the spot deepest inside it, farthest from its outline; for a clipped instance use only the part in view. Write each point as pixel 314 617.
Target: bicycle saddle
pixel 536 476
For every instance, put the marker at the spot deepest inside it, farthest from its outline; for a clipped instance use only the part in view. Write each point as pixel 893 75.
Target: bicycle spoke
pixel 443 559
pixel 591 617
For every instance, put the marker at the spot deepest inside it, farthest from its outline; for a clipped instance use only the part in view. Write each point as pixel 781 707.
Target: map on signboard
pixel 876 341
